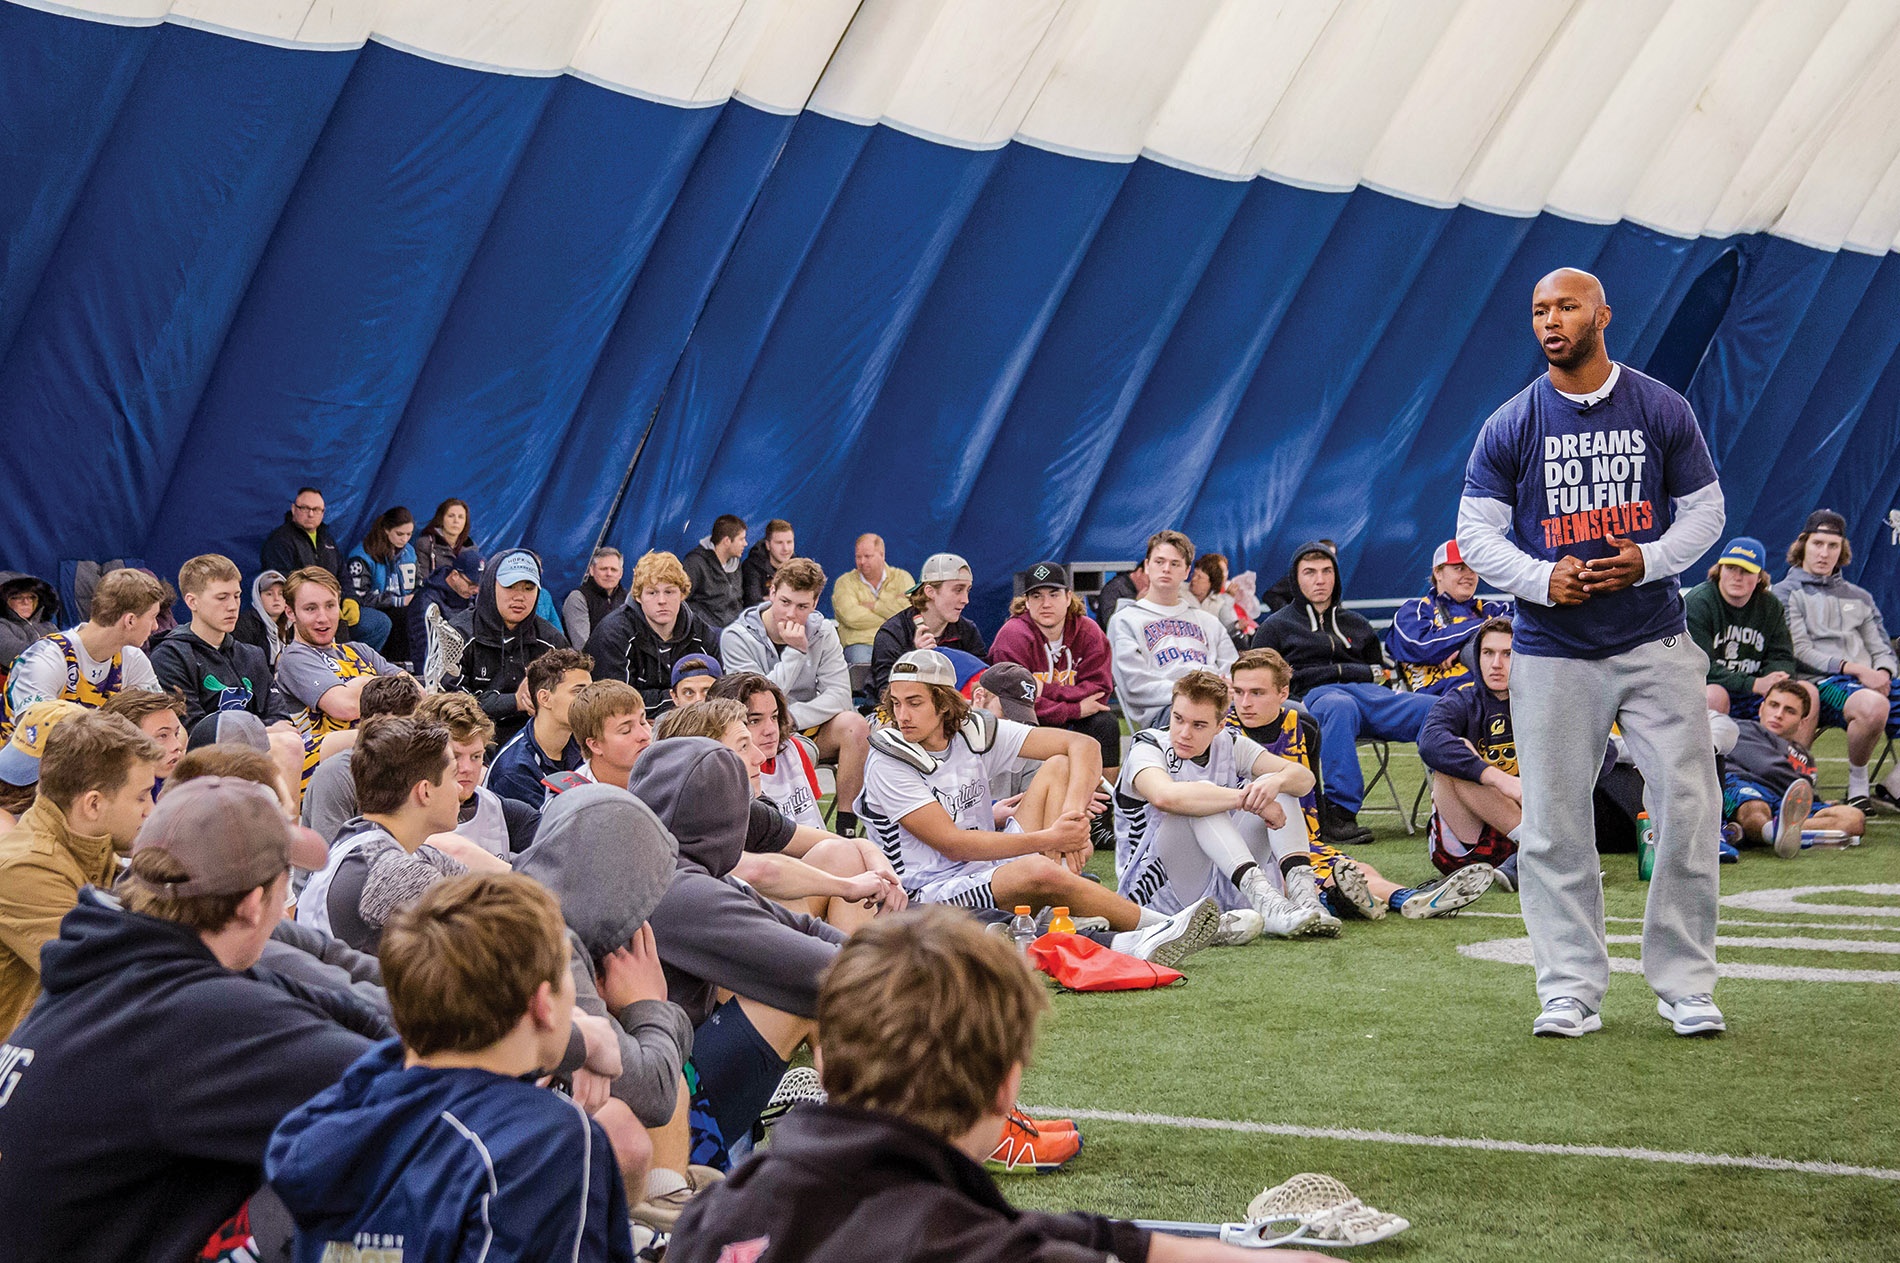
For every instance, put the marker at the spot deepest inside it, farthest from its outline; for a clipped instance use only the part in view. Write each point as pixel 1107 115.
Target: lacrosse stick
pixel 445 650
pixel 1307 1210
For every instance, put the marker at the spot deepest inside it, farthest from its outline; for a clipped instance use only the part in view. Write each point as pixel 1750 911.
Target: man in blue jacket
pixel 441 1146
pixel 152 997
pixel 1427 633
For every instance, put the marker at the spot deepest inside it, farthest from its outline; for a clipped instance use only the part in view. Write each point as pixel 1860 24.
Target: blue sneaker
pixel 1729 854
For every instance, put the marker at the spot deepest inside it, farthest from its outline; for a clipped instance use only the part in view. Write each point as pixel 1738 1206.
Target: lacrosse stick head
pixel 1311 1209
pixel 444 659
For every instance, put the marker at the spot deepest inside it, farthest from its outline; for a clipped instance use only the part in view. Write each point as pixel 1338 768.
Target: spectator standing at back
pixel 933 620
pixel 643 640
pixel 504 635
pixel 1050 633
pixel 779 546
pixel 863 597
pixel 99 657
pixel 600 594
pixel 1156 639
pixel 303 541
pixel 28 610
pixel 1339 675
pixel 446 537
pixel 713 569
pixel 1841 643
pixel 1427 633
pixel 95 789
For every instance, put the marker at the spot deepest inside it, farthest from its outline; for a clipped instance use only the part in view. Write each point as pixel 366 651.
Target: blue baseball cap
pixel 1749 554
pixel 517 567
pixel 696 664
pixel 468 564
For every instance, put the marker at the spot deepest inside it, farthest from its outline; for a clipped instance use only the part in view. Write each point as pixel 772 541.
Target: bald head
pixel 1568 316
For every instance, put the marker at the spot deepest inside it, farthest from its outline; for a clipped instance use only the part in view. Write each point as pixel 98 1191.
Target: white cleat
pixel 1302 891
pixel 1278 917
pixel 1443 896
pixel 1239 928
pixel 1179 937
pixel 1349 880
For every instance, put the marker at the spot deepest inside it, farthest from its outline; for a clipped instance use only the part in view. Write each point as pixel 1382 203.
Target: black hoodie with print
pixel 1336 647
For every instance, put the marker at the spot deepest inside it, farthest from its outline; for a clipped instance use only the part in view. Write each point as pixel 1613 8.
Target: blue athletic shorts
pixel 733 1074
pixel 1836 689
pixel 1736 790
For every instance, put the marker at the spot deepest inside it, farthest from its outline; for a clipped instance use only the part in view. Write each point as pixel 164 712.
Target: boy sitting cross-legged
pixel 440 1146
pixel 1768 778
pixel 926 1023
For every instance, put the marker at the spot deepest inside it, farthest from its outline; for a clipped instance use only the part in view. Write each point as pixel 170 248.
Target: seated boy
pixel 1262 683
pixel 1202 812
pixel 927 1023
pixel 693 679
pixel 609 720
pixel 928 800
pixel 442 1142
pixel 1768 778
pixel 545 746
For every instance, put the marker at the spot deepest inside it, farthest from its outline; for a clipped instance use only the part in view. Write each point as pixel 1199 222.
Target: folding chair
pixel 1382 758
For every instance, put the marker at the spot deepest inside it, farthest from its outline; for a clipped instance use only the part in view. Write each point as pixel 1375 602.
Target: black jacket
pixel 497 656
pixel 1114 592
pixel 17 633
pixel 624 646
pixel 898 636
pixel 288 549
pixel 233 676
pixel 755 573
pixel 718 593
pixel 1337 647
pixel 190 1066
pixel 854 1186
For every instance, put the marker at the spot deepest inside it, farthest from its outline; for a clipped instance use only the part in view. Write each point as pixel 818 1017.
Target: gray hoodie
pixel 818 682
pixel 1831 621
pixel 714 930
pixel 608 860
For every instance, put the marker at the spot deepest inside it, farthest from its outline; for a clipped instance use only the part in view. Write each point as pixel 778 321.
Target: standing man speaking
pixel 1587 494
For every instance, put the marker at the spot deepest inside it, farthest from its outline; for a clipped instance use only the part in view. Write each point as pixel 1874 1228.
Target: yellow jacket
pixel 43 863
pixel 860 611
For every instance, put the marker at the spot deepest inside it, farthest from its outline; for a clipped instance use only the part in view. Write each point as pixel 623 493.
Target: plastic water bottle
pixel 1022 929
pixel 1645 846
pixel 1061 922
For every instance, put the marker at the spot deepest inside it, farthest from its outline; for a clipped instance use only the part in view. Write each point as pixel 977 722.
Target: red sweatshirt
pixel 1068 672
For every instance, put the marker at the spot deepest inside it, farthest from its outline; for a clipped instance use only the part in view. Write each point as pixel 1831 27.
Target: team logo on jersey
pixel 1498 725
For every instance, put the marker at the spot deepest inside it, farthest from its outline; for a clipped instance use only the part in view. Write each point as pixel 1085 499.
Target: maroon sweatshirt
pixel 1067 672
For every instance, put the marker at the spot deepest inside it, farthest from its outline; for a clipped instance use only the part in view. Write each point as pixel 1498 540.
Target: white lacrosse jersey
pixel 1228 762
pixel 961 785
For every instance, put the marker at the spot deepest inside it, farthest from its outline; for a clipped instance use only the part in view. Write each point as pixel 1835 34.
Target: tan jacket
pixel 860 611
pixel 43 863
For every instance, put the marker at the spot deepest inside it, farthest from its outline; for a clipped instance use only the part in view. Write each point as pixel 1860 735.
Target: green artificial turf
pixel 1388 1028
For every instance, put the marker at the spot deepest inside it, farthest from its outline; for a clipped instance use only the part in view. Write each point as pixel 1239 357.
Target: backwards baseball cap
pixel 468 564
pixel 1745 553
pixel 940 568
pixel 696 664
pixel 1447 554
pixel 20 757
pixel 924 666
pixel 1044 574
pixel 229 835
pixel 1012 685
pixel 516 567
pixel 230 727
pixel 1825 522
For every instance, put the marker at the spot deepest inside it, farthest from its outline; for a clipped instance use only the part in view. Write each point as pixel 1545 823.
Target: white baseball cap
pixel 924 666
pixel 941 568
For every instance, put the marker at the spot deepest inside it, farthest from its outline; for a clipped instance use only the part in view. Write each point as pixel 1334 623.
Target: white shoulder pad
pixel 892 742
pixel 979 730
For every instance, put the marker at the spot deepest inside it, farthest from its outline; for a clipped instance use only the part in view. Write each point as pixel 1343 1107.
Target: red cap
pixel 1447 555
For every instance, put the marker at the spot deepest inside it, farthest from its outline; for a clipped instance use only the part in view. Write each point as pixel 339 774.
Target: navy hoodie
pixel 140 1092
pixel 442 1165
pixel 1337 647
pixel 1471 712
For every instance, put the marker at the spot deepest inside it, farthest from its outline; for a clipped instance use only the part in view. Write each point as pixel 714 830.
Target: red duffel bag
pixel 1082 964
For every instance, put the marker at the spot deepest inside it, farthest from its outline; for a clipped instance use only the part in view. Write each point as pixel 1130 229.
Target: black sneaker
pixel 1339 827
pixel 1102 831
pixel 1884 797
pixel 1861 803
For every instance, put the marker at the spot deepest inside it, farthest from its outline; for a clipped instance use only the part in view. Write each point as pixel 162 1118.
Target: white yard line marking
pixel 1517 951
pixel 1788 899
pixel 1464 913
pixel 1751 1161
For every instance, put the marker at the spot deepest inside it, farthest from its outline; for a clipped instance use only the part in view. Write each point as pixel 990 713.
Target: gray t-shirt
pixel 305 672
pixel 377 880
pixel 329 801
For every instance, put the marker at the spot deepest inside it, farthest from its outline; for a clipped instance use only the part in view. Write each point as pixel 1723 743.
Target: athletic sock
pixel 1397 898
pixel 1241 872
pixel 1149 919
pixel 1292 862
pixel 1856 780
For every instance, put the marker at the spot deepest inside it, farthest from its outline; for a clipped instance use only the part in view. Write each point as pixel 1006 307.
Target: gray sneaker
pixel 1179 937
pixel 1693 1014
pixel 1568 1018
pixel 1302 891
pixel 1278 917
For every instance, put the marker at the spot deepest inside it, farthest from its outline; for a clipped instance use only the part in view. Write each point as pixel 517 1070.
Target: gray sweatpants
pixel 1561 712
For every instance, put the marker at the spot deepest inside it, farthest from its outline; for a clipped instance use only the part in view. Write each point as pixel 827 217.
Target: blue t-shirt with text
pixel 1574 474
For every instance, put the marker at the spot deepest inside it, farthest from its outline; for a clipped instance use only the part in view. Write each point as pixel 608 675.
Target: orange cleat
pixel 1028 1145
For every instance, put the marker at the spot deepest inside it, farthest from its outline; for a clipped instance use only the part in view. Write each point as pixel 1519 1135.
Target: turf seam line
pixel 1671 1157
